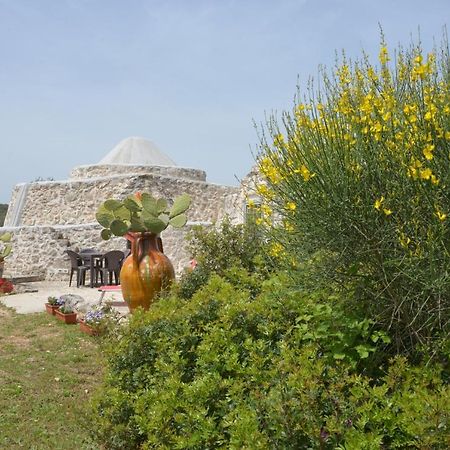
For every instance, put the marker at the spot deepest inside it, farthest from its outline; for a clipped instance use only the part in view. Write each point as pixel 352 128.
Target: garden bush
pixel 225 370
pixel 223 248
pixel 360 169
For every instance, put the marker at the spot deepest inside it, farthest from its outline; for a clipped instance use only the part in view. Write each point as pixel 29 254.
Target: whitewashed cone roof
pixel 137 151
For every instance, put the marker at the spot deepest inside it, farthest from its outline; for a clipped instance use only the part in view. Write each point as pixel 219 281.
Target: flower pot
pixel 70 318
pixel 51 309
pixel 86 328
pixel 146 271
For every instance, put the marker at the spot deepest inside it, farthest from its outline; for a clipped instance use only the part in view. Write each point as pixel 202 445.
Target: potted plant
pixel 66 313
pixel 140 219
pixel 52 305
pixel 97 320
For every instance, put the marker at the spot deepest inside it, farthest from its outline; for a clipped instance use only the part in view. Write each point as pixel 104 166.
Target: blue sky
pixel 78 76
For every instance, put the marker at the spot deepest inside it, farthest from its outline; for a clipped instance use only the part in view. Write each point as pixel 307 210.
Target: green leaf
pixel 106 234
pixel 164 218
pixel 118 227
pixel 137 224
pixel 161 205
pixel 104 217
pixel 180 205
pixel 150 204
pixel 363 351
pixel 122 213
pixel 178 221
pixel 338 356
pixel 131 204
pixel 6 237
pixel 7 250
pixel 154 224
pixel 112 205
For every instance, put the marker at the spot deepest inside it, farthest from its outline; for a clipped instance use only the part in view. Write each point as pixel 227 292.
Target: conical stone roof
pixel 137 151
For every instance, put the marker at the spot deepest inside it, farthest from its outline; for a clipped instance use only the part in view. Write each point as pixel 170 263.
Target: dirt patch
pixel 18 341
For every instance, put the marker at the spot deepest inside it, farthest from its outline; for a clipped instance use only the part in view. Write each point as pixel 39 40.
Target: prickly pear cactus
pixel 6 247
pixel 141 212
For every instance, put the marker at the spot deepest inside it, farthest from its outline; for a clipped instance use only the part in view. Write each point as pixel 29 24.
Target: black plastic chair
pixel 78 266
pixel 112 263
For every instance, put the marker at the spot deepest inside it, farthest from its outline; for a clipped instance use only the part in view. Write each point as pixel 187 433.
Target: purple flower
pixel 94 316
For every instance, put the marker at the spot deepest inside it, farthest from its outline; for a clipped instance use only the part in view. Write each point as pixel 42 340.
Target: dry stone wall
pixel 75 201
pixel 104 170
pixel 39 251
pixel 54 216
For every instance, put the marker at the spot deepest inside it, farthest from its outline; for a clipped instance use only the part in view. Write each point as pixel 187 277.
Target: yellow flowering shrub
pixel 361 168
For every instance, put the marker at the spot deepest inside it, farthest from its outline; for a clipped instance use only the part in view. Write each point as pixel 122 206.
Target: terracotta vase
pixel 70 318
pixel 51 308
pixel 146 271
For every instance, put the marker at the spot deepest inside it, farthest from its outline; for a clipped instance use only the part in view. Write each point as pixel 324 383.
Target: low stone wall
pixel 39 251
pixel 75 202
pixel 104 170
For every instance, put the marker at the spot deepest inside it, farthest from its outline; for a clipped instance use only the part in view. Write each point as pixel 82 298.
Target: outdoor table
pixel 91 257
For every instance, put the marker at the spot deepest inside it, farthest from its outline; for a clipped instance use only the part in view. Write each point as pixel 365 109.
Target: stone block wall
pixel 76 201
pixel 39 251
pixel 105 170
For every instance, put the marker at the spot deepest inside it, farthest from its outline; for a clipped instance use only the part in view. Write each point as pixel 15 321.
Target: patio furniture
pixel 112 263
pixel 92 258
pixel 77 265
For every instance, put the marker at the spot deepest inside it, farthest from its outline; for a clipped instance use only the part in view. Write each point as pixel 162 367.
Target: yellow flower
pixel 291 206
pixel 267 210
pixel 278 141
pixel 269 170
pixel 428 151
pixel 264 191
pixel 305 173
pixel 425 174
pixel 428 115
pixel 441 216
pixel 276 249
pixel 258 221
pixel 378 202
pixel 388 212
pixel 383 56
pixel 288 226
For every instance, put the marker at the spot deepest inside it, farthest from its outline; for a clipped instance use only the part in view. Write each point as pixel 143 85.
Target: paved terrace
pixel 32 302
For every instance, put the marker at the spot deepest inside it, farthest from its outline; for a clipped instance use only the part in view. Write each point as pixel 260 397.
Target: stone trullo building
pixel 48 217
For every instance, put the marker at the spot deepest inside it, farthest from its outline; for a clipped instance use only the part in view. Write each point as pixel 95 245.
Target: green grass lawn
pixel 48 372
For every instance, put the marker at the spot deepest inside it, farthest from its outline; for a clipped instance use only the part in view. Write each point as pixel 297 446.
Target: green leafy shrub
pixel 223 249
pixel 225 370
pixel 360 169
